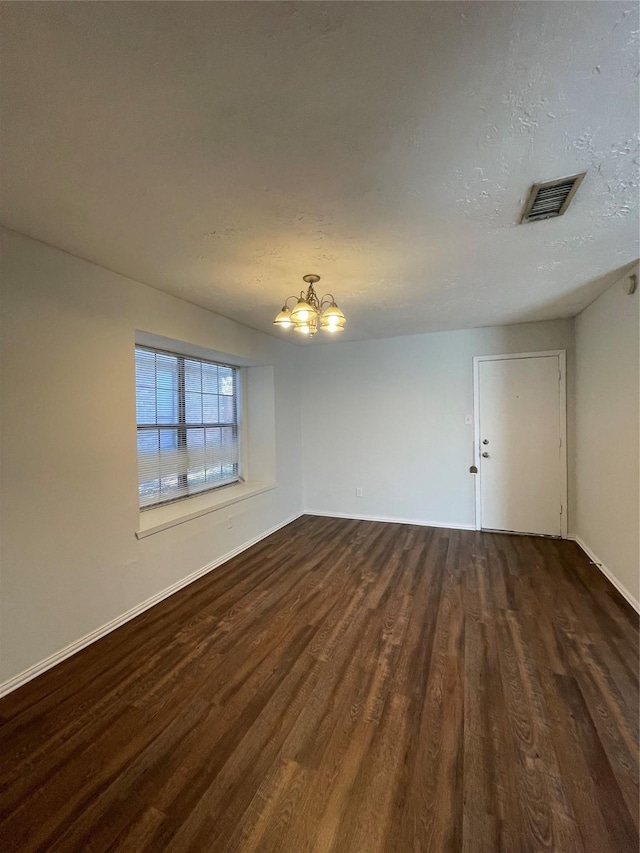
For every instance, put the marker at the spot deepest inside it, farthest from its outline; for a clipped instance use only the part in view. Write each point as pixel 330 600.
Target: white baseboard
pixel 57 657
pixel 392 520
pixel 624 592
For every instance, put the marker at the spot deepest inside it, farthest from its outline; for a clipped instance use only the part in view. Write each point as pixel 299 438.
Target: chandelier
pixel 309 312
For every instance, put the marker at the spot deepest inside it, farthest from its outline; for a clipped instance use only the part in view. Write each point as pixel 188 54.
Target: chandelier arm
pixel 330 298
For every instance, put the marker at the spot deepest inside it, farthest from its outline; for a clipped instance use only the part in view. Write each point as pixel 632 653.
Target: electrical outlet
pixel 229 522
pixel 358 492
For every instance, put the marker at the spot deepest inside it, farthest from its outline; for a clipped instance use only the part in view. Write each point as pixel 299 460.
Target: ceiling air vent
pixel 551 198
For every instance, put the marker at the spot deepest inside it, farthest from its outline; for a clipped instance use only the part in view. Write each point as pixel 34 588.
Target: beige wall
pixel 390 418
pixel 70 558
pixel 607 438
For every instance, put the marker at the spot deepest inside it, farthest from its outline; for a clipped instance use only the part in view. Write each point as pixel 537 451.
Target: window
pixel 187 415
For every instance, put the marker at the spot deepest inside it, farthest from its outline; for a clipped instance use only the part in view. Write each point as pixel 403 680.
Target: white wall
pixel 607 434
pixel 389 416
pixel 69 512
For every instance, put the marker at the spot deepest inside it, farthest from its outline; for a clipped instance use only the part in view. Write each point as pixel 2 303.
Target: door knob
pixel 486 455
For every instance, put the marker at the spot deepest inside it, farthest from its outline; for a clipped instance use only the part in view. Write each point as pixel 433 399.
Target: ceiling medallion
pixel 309 312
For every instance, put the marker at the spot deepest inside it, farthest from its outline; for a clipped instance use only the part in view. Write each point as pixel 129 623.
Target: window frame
pixel 182 427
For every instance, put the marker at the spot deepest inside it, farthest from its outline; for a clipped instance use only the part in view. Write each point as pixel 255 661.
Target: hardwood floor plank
pixel 345 687
pixel 365 821
pixel 480 821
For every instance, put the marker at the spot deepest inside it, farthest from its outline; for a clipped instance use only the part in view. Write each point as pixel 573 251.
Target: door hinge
pixel 560 509
pixel 560 445
pixel 559 376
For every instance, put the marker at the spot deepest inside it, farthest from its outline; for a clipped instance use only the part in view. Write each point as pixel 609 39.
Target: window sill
pixel 163 517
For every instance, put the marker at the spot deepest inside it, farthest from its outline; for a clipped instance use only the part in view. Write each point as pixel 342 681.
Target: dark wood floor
pixel 343 686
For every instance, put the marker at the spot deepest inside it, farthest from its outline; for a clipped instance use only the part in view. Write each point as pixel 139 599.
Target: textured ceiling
pixel 219 151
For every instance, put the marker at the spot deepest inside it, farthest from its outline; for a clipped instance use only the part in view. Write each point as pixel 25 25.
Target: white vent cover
pixel 551 198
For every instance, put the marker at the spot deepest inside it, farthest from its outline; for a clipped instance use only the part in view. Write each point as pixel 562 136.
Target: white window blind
pixel 187 415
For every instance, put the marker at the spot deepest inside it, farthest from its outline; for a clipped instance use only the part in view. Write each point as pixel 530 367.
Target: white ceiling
pixel 219 151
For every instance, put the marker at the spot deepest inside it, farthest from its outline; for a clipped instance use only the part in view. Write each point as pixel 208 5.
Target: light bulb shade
pixel 333 319
pixel 283 319
pixel 302 329
pixel 303 313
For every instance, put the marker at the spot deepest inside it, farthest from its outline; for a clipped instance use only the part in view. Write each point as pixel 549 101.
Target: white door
pixel 520 427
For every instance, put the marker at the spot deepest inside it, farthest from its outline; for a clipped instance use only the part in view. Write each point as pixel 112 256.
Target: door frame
pixel 562 362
